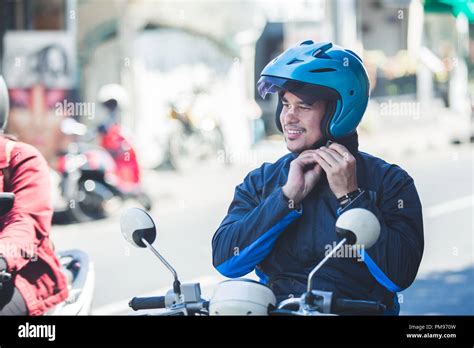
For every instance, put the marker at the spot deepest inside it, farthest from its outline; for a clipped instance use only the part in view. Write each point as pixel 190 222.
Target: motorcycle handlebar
pixel 154 302
pixel 369 307
pixel 339 306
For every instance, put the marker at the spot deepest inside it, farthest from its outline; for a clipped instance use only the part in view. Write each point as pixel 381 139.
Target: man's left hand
pixel 340 168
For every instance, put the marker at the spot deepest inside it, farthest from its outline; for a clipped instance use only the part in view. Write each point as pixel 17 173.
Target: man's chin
pixel 296 148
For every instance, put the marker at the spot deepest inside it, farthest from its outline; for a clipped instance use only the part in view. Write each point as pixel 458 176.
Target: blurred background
pixel 153 103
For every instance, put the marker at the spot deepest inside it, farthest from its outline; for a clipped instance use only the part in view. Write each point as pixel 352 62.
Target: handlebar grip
pixel 154 302
pixel 358 306
pixel 284 312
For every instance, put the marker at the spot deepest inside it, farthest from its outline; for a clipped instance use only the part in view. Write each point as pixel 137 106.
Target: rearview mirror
pixel 359 226
pixel 136 225
pixel 4 103
pixel 6 202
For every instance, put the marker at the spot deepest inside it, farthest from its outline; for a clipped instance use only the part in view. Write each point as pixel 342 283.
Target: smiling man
pixel 282 218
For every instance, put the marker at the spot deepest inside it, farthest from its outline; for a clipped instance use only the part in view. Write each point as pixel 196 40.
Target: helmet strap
pixel 327 118
pixel 325 122
pixel 277 114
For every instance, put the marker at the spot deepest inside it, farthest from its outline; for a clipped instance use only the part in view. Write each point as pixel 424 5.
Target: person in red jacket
pixel 26 252
pixel 111 136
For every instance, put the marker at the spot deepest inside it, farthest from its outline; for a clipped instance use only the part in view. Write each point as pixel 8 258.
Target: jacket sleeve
pixel 394 259
pixel 29 221
pixel 249 231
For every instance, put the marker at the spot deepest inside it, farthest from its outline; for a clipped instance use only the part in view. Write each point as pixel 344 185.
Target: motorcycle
pixel 75 264
pixel 193 140
pixel 243 296
pixel 93 184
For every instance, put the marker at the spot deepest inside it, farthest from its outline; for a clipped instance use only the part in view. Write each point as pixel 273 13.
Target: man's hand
pixel 304 173
pixel 340 168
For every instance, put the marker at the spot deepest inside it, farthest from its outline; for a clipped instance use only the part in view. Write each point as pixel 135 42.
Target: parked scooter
pixel 77 267
pixel 193 140
pixel 93 184
pixel 248 297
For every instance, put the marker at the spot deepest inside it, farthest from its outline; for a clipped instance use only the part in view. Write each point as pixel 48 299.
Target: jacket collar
pixel 351 142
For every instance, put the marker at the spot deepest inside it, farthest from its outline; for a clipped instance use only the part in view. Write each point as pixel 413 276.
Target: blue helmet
pixel 324 71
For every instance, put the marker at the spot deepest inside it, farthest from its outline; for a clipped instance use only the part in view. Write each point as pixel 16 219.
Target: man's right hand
pixel 304 173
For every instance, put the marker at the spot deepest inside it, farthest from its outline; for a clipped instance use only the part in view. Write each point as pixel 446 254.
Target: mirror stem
pixel 176 284
pixel 323 261
pixel 177 287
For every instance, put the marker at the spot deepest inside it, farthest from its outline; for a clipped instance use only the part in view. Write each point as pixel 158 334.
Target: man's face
pixel 301 122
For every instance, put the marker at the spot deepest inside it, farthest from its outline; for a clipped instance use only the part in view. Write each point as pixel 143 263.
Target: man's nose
pixel 290 115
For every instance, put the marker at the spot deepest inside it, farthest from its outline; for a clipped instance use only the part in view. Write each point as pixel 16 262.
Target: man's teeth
pixel 294 131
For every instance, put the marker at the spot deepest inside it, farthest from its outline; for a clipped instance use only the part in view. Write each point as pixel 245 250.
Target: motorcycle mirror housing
pixel 4 104
pixel 139 230
pixel 6 202
pixel 356 227
pixel 359 226
pixel 136 225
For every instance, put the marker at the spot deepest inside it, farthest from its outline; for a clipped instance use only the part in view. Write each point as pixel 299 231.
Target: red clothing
pixel 122 151
pixel 24 231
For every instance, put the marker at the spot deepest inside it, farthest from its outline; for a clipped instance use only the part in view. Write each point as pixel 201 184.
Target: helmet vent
pixel 321 51
pixel 307 42
pixel 295 61
pixel 323 70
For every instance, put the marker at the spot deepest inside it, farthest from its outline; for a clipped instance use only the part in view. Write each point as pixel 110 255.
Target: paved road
pixel 190 207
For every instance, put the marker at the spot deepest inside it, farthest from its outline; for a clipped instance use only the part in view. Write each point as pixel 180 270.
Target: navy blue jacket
pixel 262 232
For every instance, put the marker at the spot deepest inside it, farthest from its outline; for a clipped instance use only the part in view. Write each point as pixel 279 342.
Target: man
pixel 37 283
pixel 281 221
